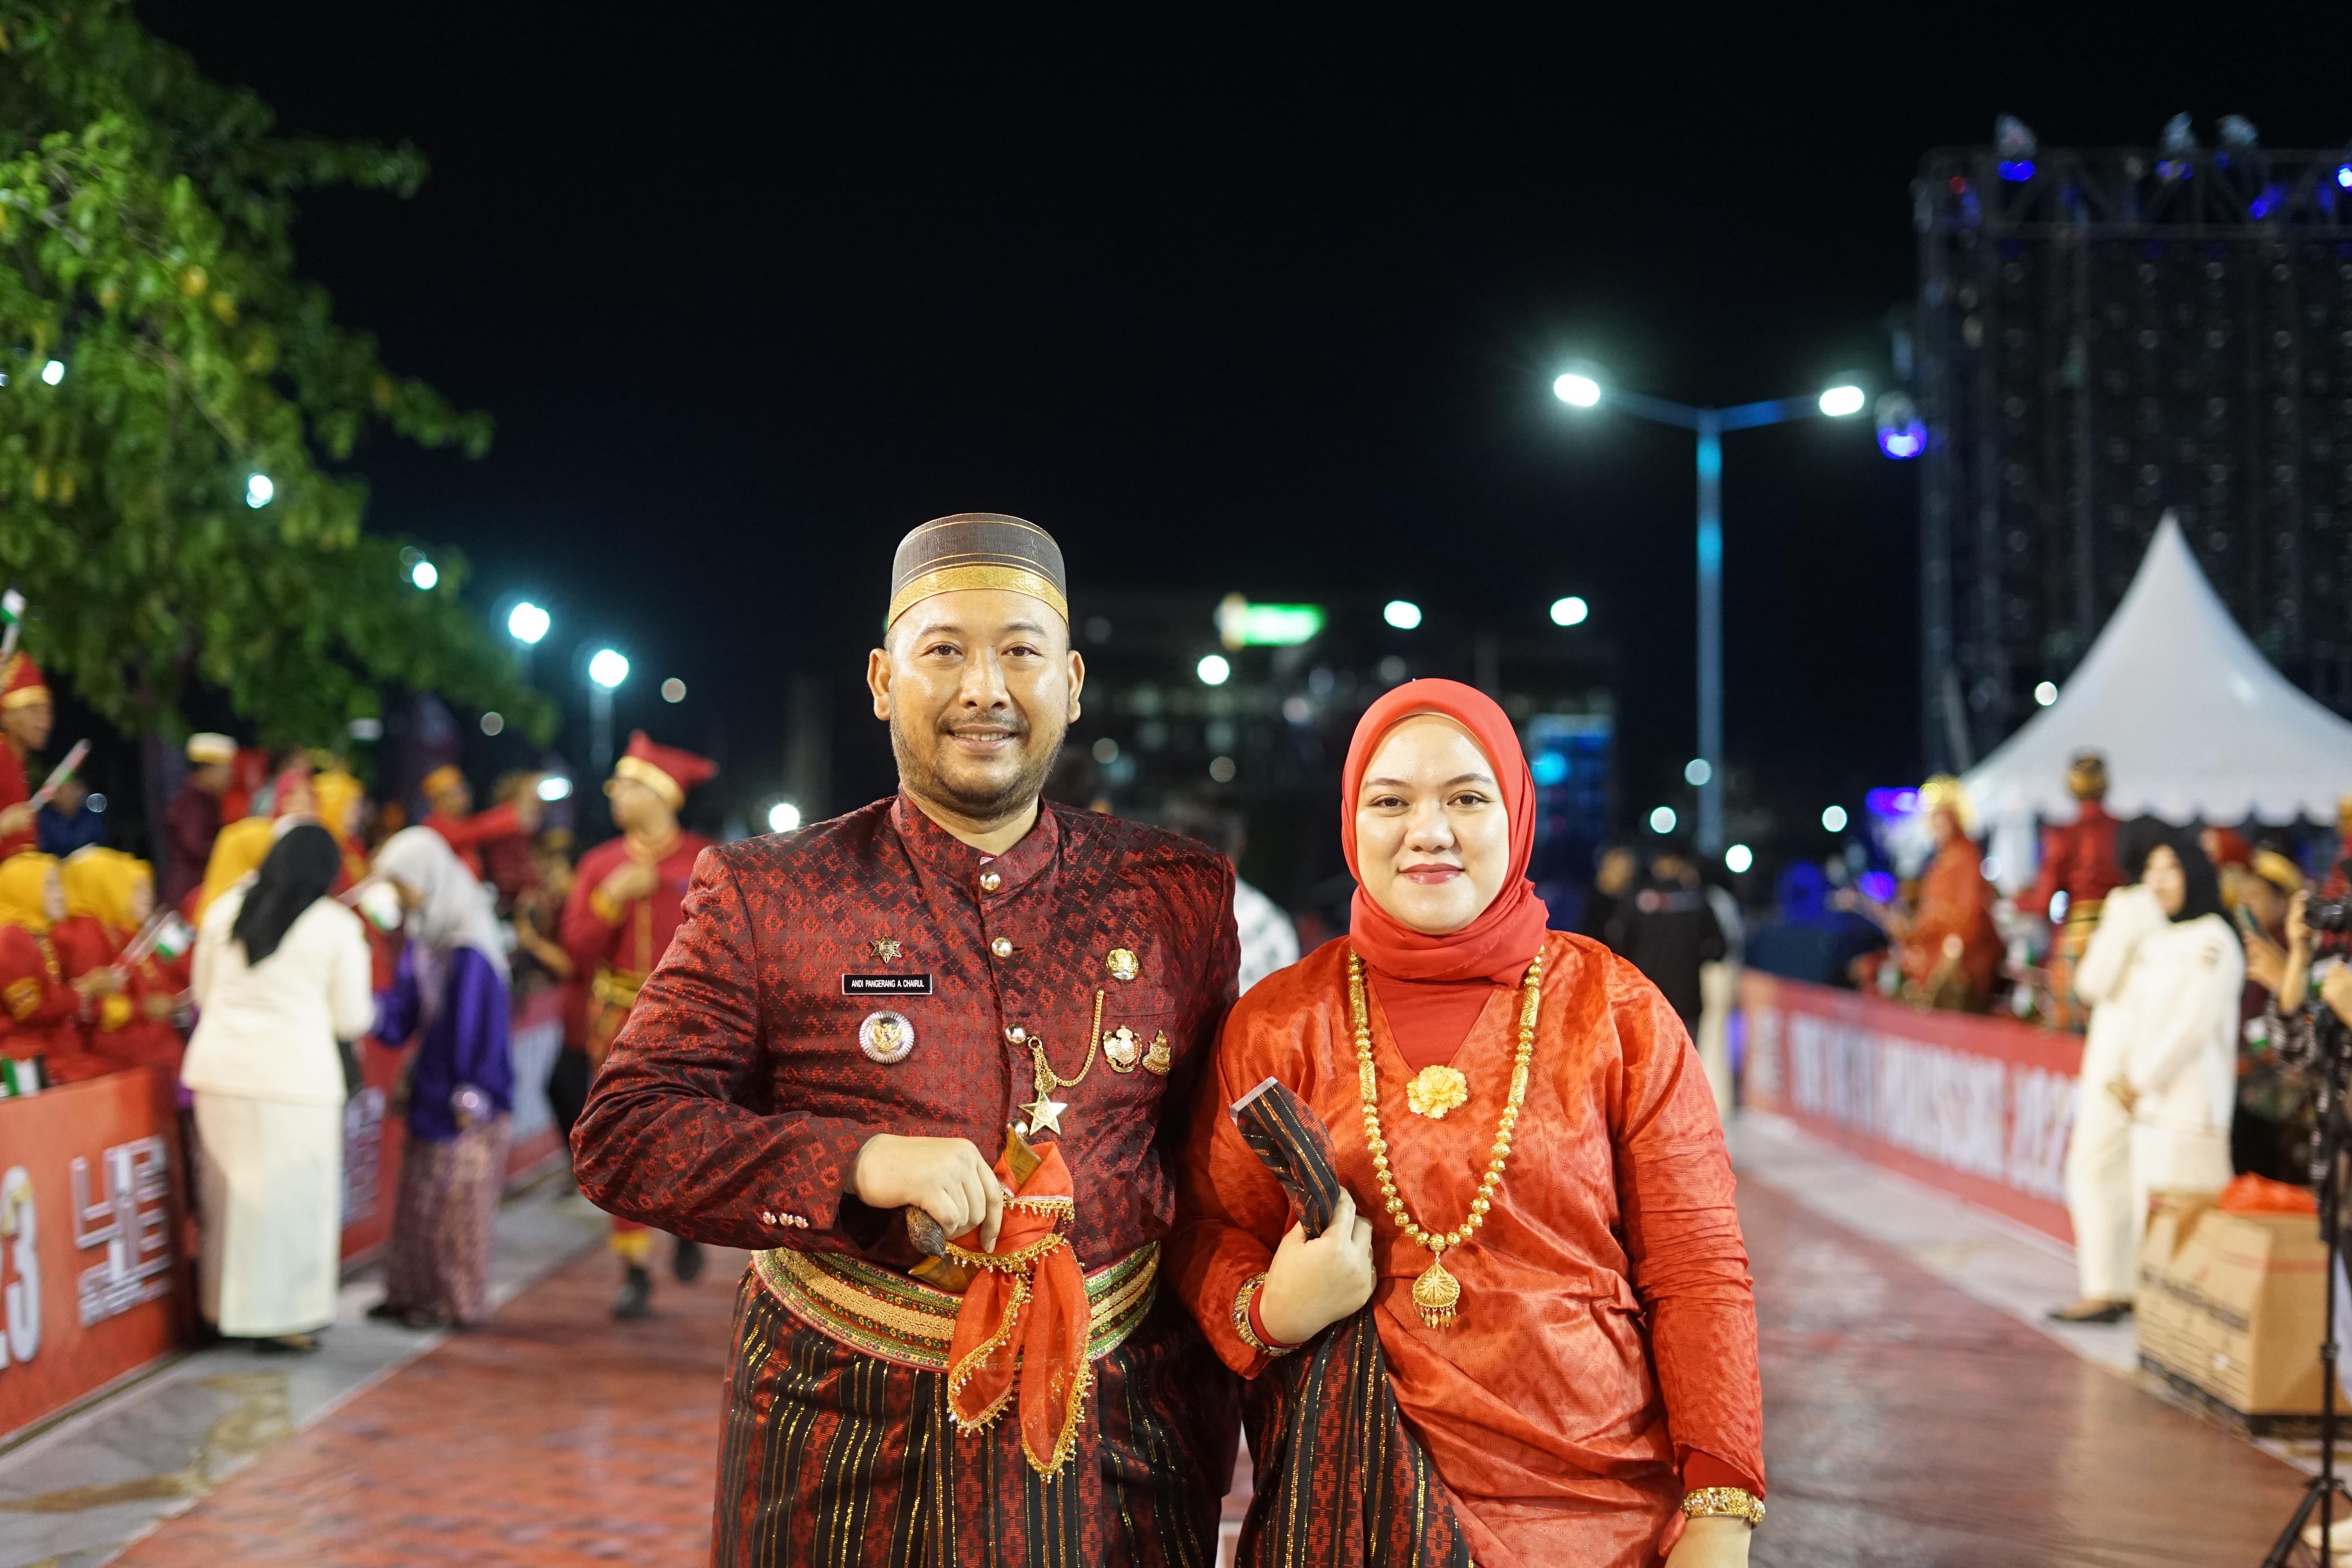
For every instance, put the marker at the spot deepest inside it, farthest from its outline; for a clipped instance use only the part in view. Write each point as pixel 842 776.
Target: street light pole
pixel 1709 425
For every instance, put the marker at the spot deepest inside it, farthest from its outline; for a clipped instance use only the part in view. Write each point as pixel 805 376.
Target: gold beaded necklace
pixel 1436 1293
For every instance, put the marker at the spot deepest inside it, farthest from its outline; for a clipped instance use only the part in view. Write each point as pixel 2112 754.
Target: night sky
pixel 1270 304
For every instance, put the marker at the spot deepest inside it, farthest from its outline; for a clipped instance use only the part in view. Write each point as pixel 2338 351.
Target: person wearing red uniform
pixel 108 897
pixel 2078 859
pixel 42 1011
pixel 849 1020
pixel 193 821
pixel 628 899
pixel 1537 1211
pixel 452 815
pixel 26 717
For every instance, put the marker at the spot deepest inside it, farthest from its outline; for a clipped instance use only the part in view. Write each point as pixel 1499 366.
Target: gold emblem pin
pixel 884 948
pixel 1158 1058
pixel 1122 1049
pixel 1120 963
pixel 886 1037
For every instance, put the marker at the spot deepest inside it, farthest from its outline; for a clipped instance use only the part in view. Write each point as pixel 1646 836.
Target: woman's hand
pixel 2336 991
pixel 103 981
pixel 2298 926
pixel 2125 1094
pixel 1310 1285
pixel 1712 1540
pixel 2265 961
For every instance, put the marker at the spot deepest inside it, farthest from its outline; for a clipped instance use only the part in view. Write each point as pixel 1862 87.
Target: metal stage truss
pixel 2102 336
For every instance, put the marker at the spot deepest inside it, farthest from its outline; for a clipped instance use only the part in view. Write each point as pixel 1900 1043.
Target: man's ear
pixel 878 681
pixel 1078 683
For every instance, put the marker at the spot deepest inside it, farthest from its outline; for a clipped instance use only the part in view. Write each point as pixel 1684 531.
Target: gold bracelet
pixel 1727 1501
pixel 1242 1299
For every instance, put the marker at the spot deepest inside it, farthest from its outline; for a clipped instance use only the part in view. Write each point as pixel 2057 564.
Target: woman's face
pixel 1433 838
pixel 2164 879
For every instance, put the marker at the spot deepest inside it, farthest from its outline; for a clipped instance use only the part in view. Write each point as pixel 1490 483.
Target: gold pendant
pixel 1120 962
pixel 1159 1058
pixel 1434 1091
pixel 1121 1048
pixel 1437 1294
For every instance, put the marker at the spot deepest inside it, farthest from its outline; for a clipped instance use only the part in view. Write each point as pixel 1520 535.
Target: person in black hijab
pixel 300 869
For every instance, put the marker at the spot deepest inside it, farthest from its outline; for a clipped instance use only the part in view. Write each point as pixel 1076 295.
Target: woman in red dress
pixel 1551 1257
pixel 108 897
pixel 41 1013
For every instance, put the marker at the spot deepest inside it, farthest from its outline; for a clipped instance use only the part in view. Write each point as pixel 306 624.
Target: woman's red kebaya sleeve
pixel 1689 1263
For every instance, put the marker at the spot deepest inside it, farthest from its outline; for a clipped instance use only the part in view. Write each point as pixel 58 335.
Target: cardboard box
pixel 2233 1306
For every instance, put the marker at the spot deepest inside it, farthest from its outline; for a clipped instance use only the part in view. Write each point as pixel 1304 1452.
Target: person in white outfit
pixel 2162 972
pixel 281 974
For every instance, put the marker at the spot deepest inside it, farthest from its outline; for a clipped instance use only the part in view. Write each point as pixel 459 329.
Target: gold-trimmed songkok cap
pixel 977 550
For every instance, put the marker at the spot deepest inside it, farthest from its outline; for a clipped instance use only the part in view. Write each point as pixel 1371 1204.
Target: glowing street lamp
pixel 783 817
pixel 1213 670
pixel 607 668
pixel 424 574
pixel 1570 611
pixel 1402 613
pixel 1841 401
pixel 527 622
pixel 260 490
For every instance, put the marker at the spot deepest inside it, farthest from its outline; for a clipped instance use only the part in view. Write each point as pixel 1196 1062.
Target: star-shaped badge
pixel 884 948
pixel 1046 1114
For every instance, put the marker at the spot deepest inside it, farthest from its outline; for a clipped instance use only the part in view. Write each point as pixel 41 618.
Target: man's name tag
pixel 885 985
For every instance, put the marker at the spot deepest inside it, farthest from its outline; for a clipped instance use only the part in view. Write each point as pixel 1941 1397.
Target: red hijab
pixel 1496 947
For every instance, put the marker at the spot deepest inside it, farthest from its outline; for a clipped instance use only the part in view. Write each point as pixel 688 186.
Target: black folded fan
pixel 1340 1478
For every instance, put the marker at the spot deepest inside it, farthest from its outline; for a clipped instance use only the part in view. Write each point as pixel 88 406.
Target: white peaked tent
pixel 2193 721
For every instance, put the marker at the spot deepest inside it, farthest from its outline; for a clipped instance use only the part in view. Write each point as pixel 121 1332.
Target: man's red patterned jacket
pixel 736 1098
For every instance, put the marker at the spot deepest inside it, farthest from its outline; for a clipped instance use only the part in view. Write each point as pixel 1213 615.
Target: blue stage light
pixel 2017 170
pixel 1549 768
pixel 2344 176
pixel 1901 443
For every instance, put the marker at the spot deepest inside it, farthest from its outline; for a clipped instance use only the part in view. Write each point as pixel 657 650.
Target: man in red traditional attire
pixel 628 898
pixel 849 1019
pixel 193 821
pixel 452 815
pixel 26 717
pixel 2078 859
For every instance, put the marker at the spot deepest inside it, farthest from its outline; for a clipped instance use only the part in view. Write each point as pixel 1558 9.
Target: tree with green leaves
pixel 160 351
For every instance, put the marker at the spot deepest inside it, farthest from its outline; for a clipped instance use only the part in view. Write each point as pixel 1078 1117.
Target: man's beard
pixel 918 776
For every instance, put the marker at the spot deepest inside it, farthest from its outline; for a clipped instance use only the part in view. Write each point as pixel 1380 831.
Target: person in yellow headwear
pixel 43 1013
pixel 108 897
pixel 237 854
pixel 337 798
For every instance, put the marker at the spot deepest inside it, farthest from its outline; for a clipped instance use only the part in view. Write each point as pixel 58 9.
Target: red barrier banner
pixel 1979 1107
pixel 93 1281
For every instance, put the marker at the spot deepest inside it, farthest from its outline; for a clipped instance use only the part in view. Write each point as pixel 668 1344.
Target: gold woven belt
pixel 617 986
pixel 886 1315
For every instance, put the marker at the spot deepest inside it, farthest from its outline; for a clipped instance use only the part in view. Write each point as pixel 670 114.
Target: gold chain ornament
pixel 1437 1294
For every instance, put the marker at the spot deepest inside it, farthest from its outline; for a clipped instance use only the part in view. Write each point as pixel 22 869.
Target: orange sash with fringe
pixel 1021 1330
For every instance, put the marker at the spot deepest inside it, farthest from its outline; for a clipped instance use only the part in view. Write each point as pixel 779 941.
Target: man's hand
pixel 16 818
pixel 1712 1540
pixel 2298 923
pixel 2125 1094
pixel 629 882
pixel 157 1006
pixel 945 1177
pixel 1310 1285
pixel 2336 991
